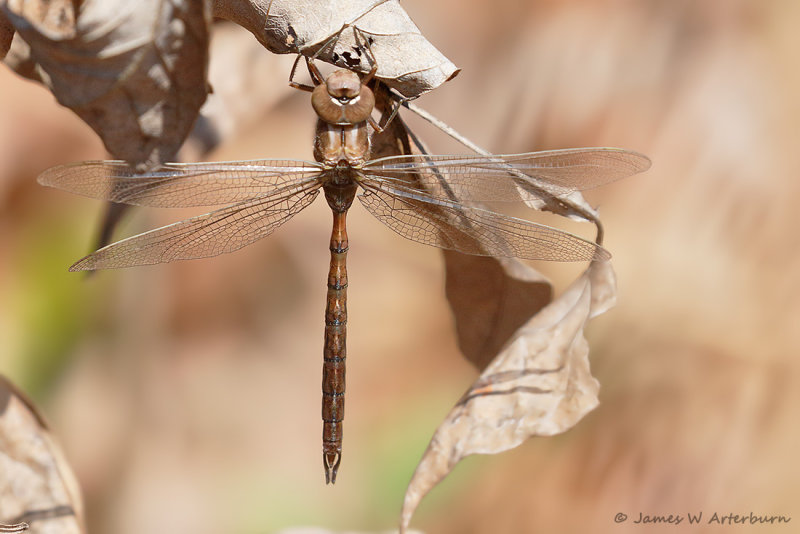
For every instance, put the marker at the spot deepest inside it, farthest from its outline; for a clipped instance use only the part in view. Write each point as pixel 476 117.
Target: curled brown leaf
pixel 134 71
pixel 539 385
pixel 406 61
pixel 491 298
pixel 36 483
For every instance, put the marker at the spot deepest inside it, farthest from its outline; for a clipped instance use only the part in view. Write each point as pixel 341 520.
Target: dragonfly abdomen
pixel 335 350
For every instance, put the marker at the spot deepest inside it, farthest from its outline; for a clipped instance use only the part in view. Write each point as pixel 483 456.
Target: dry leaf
pixel 491 298
pixel 406 60
pixel 134 71
pixel 36 484
pixel 6 35
pixel 539 385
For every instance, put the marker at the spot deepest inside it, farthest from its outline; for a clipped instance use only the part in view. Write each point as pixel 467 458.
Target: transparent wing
pixel 180 184
pixel 218 232
pixel 476 231
pixel 511 177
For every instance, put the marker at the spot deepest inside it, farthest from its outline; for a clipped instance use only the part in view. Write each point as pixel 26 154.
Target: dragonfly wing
pixel 514 177
pixel 218 232
pixel 474 231
pixel 180 184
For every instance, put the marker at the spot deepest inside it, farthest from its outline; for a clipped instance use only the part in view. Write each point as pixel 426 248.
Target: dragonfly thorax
pixel 341 146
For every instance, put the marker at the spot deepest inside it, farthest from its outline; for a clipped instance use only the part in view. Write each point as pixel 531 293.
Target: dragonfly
pixel 431 199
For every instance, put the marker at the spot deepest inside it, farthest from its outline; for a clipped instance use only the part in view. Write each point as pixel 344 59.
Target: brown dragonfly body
pixel 341 144
pixel 429 199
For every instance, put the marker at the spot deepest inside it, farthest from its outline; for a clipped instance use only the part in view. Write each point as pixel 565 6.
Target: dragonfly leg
pixel 362 41
pixel 385 121
pixel 304 86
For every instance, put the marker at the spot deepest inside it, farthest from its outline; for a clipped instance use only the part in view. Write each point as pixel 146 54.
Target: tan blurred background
pixel 187 395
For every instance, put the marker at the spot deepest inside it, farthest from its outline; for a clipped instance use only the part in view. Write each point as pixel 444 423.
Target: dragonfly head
pixel 342 99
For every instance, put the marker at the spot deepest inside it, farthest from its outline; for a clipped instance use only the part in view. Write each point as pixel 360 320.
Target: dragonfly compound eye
pixel 342 99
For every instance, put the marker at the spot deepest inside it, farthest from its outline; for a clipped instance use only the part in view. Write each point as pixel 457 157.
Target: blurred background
pixel 186 396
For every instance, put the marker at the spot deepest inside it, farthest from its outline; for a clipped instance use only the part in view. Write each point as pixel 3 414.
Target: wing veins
pixel 474 230
pixel 187 239
pixel 180 184
pixel 512 177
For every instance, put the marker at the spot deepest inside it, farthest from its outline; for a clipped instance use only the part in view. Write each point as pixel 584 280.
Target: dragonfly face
pixel 429 199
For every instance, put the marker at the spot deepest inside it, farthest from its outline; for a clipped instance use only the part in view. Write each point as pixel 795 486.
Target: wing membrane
pixel 218 232
pixel 472 230
pixel 514 177
pixel 180 184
